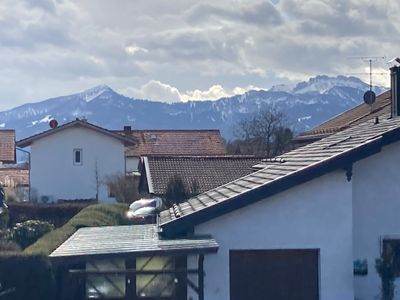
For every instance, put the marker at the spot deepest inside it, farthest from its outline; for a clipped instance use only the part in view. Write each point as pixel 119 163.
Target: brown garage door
pixel 274 274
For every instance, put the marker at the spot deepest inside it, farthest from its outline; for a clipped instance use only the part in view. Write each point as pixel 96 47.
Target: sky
pixel 177 50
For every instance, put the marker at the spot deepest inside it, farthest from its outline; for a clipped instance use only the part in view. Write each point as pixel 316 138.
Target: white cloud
pixel 157 91
pixel 133 49
pixel 215 92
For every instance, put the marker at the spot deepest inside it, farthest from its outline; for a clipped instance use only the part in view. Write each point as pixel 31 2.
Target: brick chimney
pixel 395 90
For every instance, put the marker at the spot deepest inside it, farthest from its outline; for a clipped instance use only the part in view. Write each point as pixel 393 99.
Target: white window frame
pixel 74 156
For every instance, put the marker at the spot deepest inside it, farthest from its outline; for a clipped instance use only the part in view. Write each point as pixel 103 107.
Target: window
pixel 105 285
pixel 108 279
pixel 77 157
pixel 155 286
pixel 132 164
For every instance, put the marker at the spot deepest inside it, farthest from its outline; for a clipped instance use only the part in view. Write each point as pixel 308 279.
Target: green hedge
pixel 91 216
pixel 26 277
pixel 57 214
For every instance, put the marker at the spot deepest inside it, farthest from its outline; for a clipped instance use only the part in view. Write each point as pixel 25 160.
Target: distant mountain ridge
pixel 306 104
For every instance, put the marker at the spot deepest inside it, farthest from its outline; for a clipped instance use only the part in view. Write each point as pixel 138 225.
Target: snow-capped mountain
pixel 306 105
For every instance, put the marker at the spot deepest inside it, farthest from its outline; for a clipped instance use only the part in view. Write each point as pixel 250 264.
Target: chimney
pixel 127 129
pixel 395 90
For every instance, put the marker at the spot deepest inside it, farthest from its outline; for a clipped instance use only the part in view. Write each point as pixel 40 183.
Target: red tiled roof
pixel 175 142
pixel 207 171
pixel 13 176
pixel 354 116
pixel 7 146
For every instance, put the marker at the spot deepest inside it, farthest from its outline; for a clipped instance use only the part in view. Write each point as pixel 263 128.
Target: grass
pixel 91 216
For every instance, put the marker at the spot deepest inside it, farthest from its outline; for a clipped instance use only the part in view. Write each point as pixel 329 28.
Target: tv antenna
pixel 369 96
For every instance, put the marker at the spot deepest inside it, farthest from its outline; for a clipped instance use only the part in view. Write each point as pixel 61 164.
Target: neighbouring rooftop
pixel 7 146
pixel 207 171
pixel 354 116
pixel 175 142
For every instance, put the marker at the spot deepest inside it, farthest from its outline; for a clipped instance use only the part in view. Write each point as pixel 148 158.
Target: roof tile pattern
pixel 208 171
pixel 175 142
pixel 7 146
pixel 289 165
pixel 354 116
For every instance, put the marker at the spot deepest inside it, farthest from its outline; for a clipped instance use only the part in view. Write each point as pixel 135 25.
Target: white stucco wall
pixel 53 173
pixel 317 214
pixel 376 210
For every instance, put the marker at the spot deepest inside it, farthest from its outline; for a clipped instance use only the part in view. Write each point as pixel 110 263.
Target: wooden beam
pixel 192 285
pixel 201 277
pixel 134 271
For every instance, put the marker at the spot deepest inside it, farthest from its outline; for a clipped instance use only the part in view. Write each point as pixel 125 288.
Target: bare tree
pixel 125 189
pixel 265 134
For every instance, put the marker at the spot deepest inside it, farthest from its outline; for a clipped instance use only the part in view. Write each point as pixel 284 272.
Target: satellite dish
pixel 53 123
pixel 369 97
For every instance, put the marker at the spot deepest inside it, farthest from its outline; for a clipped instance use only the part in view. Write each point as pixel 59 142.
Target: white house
pixel 71 161
pixel 309 225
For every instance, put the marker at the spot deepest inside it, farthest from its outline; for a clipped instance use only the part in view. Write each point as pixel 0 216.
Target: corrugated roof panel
pixel 136 240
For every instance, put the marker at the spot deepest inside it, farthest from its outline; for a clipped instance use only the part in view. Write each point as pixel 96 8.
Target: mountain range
pixel 306 104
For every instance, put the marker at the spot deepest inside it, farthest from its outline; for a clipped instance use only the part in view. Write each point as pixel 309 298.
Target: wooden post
pixel 130 283
pixel 201 277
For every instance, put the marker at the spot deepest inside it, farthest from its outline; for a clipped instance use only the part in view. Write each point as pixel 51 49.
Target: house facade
pixel 308 217
pixel 72 161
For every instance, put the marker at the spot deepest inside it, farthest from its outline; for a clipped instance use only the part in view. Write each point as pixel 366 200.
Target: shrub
pixel 28 232
pixel 9 246
pixel 27 277
pixel 57 214
pixel 4 219
pixel 176 191
pixel 125 189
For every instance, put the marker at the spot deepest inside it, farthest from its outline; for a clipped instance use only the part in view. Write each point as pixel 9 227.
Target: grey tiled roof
pixel 134 240
pixel 208 171
pixel 292 168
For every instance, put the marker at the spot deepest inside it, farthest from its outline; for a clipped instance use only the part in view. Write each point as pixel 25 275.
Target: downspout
pixel 29 178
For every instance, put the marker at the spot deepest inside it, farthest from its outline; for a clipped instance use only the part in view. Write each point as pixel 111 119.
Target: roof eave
pixel 28 141
pixel 162 252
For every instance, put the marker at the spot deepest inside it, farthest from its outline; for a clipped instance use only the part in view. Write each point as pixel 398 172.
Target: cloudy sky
pixel 182 49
